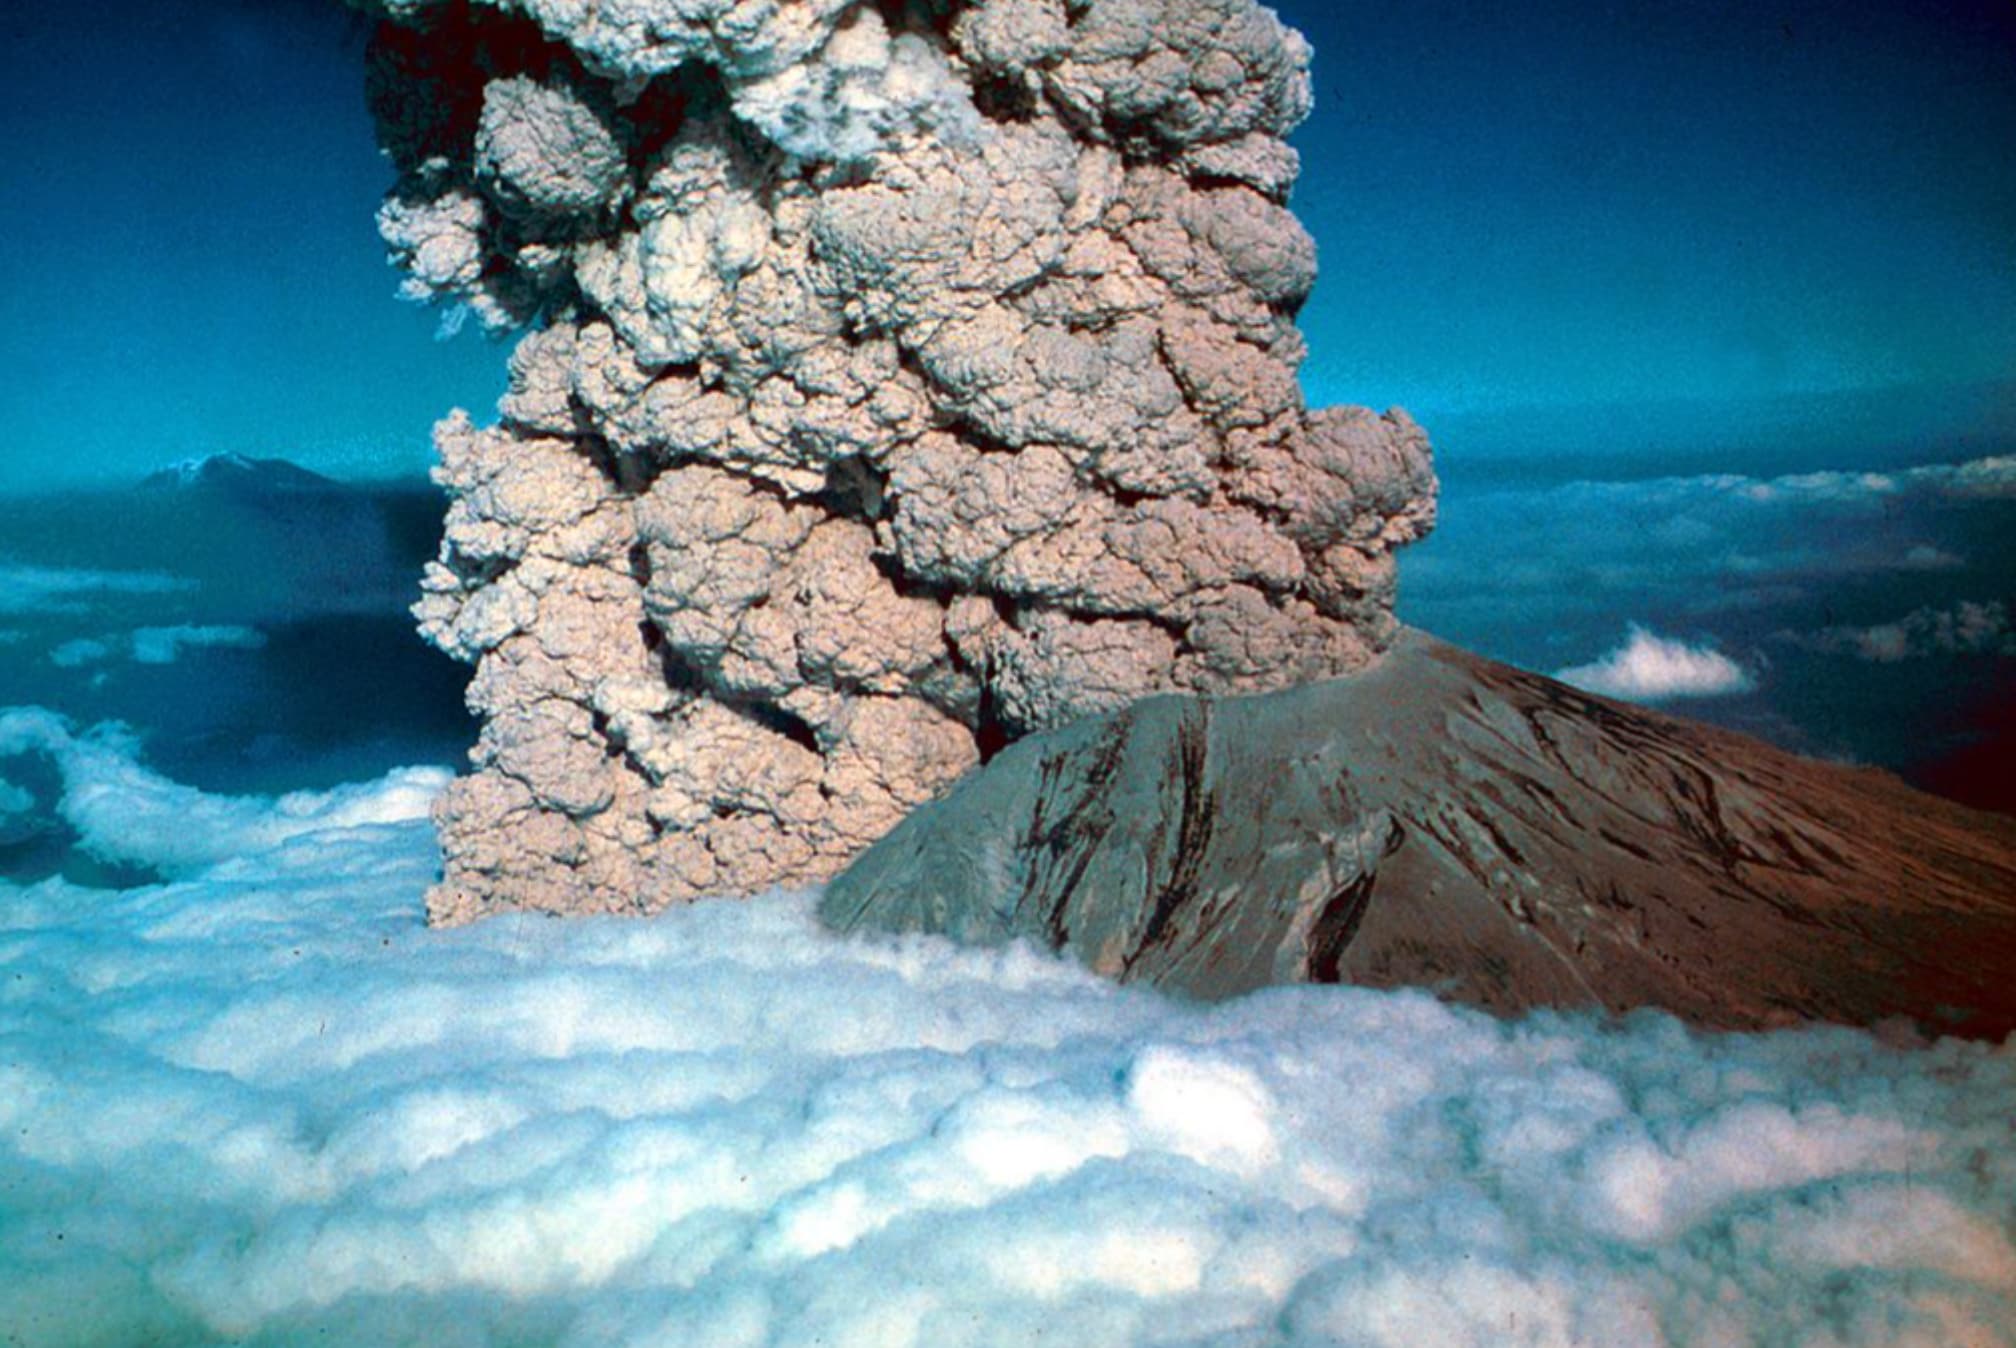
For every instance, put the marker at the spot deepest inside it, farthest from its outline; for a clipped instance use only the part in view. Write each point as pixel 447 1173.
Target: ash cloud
pixel 900 380
pixel 265 1103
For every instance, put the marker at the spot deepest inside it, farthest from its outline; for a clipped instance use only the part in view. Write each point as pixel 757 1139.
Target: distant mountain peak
pixel 237 473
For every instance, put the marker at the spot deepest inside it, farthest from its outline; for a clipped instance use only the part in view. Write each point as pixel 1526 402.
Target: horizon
pixel 1642 440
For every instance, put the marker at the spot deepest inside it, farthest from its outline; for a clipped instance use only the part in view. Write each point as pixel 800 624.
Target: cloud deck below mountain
pixel 262 1102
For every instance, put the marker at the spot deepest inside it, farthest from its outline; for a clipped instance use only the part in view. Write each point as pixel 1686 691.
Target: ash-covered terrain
pixel 1447 822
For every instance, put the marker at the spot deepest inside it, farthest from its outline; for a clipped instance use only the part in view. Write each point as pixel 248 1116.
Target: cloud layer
pixel 123 812
pixel 155 645
pixel 1703 545
pixel 1965 628
pixel 1851 614
pixel 263 1102
pixel 54 589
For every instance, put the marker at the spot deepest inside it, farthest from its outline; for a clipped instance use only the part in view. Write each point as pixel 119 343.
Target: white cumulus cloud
pixel 1989 478
pixel 1699 545
pixel 1652 668
pixel 1926 557
pixel 264 1104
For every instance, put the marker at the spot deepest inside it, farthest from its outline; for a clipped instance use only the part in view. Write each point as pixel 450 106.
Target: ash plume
pixel 896 380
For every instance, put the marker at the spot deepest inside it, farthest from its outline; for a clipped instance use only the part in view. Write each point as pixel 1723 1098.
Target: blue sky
pixel 192 265
pixel 1675 208
pixel 1557 203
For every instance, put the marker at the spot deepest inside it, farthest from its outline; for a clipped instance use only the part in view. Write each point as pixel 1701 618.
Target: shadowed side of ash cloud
pixel 1445 821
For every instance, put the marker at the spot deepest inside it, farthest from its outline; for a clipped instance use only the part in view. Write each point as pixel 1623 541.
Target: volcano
pixel 1442 820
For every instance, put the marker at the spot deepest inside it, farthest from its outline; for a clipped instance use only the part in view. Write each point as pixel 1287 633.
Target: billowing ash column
pixel 899 379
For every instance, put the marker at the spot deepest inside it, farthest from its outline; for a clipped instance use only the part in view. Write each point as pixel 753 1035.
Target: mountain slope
pixel 1447 821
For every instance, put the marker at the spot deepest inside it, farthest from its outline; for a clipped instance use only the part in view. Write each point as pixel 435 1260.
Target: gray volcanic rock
pixel 1446 821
